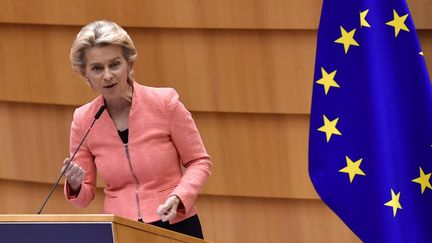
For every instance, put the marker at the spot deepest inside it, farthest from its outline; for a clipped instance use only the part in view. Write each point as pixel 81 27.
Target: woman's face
pixel 107 71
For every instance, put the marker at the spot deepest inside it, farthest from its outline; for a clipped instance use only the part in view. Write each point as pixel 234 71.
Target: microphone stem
pixel 64 171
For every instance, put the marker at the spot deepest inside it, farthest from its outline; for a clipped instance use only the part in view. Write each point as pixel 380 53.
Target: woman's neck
pixel 120 104
pixel 116 106
pixel 119 112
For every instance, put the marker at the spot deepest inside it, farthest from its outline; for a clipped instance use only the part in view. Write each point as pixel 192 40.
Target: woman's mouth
pixel 110 86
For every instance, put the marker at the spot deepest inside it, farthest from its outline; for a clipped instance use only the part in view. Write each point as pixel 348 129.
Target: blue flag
pixel 370 142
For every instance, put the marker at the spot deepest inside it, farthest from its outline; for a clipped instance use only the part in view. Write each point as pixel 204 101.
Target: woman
pixel 139 145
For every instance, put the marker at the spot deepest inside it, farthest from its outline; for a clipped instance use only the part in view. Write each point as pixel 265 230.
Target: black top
pixel 124 135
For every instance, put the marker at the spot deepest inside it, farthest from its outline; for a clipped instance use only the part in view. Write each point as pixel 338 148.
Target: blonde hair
pixel 98 34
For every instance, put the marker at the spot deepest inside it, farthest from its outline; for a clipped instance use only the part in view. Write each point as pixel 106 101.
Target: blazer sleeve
pixel 190 147
pixel 85 159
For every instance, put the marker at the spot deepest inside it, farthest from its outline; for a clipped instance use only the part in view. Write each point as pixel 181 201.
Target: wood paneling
pixel 36 66
pixel 231 70
pixel 260 155
pixel 420 10
pixel 425 37
pixel 214 70
pixel 34 141
pixel 239 14
pixel 20 197
pixel 257 220
pixel 224 219
pixel 257 155
pixel 272 14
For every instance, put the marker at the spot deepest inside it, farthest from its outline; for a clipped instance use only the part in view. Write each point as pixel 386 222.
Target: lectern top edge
pixel 100 218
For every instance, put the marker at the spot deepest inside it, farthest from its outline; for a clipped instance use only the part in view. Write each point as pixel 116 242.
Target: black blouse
pixel 124 135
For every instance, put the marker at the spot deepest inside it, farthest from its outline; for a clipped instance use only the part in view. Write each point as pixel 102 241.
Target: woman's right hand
pixel 74 174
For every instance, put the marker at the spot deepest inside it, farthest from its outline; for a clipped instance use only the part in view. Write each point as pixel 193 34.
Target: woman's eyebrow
pixel 97 63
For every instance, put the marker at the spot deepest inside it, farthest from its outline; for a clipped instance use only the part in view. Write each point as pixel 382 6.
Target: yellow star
pixel 421 53
pixel 398 22
pixel 394 202
pixel 327 80
pixel 347 39
pixel 423 180
pixel 363 21
pixel 352 168
pixel 329 127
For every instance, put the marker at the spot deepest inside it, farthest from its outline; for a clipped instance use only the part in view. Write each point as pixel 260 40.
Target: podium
pixel 83 228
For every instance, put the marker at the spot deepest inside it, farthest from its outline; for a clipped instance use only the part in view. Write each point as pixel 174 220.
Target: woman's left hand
pixel 168 210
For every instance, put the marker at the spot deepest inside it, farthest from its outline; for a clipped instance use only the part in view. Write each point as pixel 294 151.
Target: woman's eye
pixel 96 68
pixel 115 64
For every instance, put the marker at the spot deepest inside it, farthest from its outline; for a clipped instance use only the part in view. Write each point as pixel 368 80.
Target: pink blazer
pixel 141 175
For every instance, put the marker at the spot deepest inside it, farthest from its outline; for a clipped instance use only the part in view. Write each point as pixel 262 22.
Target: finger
pixel 77 174
pixel 174 208
pixel 70 166
pixel 75 181
pixel 66 160
pixel 80 175
pixel 169 214
pixel 172 213
pixel 73 171
pixel 69 172
pixel 164 218
pixel 63 168
pixel 162 209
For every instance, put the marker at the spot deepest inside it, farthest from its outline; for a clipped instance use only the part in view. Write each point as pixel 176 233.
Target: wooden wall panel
pixel 19 197
pixel 425 37
pixel 420 10
pixel 239 14
pixel 257 220
pixel 224 219
pixel 37 67
pixel 34 141
pixel 214 70
pixel 257 155
pixel 167 13
pixel 260 155
pixel 231 70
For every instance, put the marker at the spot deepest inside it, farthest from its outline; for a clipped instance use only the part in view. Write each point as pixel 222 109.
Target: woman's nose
pixel 107 75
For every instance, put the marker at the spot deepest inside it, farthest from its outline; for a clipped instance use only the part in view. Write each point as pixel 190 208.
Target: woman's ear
pixel 84 76
pixel 130 66
pixel 86 79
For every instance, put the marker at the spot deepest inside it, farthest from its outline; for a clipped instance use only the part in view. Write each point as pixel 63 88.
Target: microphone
pixel 98 114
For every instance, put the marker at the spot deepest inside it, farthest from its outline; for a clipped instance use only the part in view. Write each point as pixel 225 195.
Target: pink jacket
pixel 141 175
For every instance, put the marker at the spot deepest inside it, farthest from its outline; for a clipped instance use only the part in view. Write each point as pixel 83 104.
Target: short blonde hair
pixel 97 34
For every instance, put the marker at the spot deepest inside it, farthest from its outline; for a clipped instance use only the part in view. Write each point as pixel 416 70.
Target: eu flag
pixel 370 142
